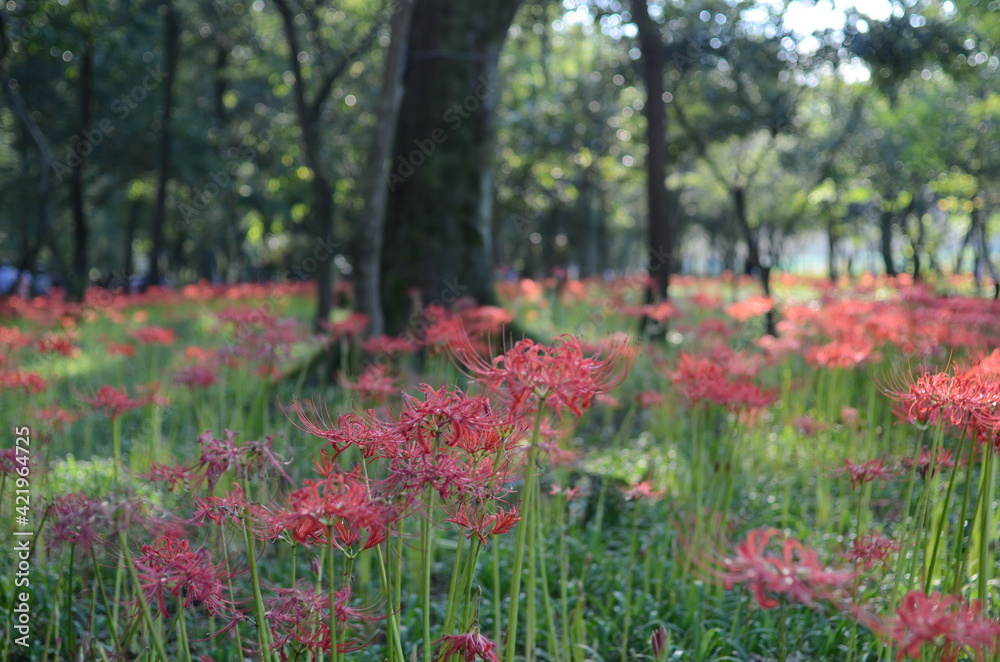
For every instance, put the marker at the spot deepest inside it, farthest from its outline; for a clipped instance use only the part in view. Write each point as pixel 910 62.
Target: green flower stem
pixel 939 530
pixel 985 525
pixel 332 594
pixel 147 616
pixel 182 636
pixel 457 577
pixel 628 581
pixel 395 644
pixel 519 541
pixel 426 560
pixel 258 600
pixel 112 630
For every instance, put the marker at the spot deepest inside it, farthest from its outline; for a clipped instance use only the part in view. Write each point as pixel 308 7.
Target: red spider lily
pixel 450 418
pixel 120 349
pixel 849 415
pixel 486 320
pixel 659 313
pixel 450 442
pixel 373 383
pixel 301 616
pixel 748 309
pixel 559 376
pixel 336 498
pixel 153 335
pixel 444 333
pixel 53 343
pixel 808 426
pixel 871 550
pixel 12 338
pixel 372 437
pixel 113 401
pixel 391 347
pixel 796 573
pixel 78 520
pixel 643 491
pixel 966 401
pixel 476 520
pixel 10 461
pixel 250 459
pixel 942 458
pixel 173 476
pixel 56 416
pixel 838 354
pixel 197 376
pixel 866 472
pixel 220 510
pixel 199 354
pixel 701 379
pixel 470 646
pixel 247 317
pixel 449 473
pixel 28 382
pixel 570 494
pixel 351 327
pixel 945 622
pixel 170 567
pixel 650 399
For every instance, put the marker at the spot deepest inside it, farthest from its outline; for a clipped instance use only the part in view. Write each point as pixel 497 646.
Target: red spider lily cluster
pixel 871 550
pixel 114 402
pixel 704 380
pixel 966 400
pixel 943 622
pixel 866 472
pixel 468 647
pixel 455 458
pixel 299 617
pixel 560 376
pixel 795 574
pixel 169 570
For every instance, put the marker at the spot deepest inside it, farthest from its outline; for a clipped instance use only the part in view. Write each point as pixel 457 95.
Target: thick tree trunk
pixel 754 266
pixel 81 233
pixel 984 249
pixel 661 226
pixel 127 240
pixel 832 239
pixel 322 187
pixel 171 38
pixel 437 234
pixel 918 248
pixel 46 169
pixel 969 237
pixel 885 226
pixel 368 240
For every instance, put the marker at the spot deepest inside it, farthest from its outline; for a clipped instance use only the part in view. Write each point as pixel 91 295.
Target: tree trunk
pixel 128 239
pixel 661 226
pixel 437 234
pixel 754 266
pixel 171 38
pixel 46 169
pixel 368 240
pixel 885 225
pixel 81 234
pixel 984 246
pixel 918 248
pixel 832 239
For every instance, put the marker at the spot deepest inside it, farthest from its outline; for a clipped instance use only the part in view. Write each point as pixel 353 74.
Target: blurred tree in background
pixel 170 141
